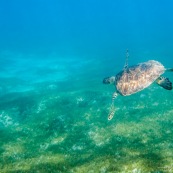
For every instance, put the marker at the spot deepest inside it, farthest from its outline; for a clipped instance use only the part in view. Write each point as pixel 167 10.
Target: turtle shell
pixel 135 78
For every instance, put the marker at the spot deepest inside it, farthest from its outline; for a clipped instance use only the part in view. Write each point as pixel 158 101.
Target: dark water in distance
pixel 93 28
pixel 53 105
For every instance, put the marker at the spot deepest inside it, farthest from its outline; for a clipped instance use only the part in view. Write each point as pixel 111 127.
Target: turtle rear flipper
pixel 169 69
pixel 164 82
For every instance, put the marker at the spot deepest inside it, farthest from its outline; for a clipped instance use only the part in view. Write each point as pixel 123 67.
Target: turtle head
pixel 109 80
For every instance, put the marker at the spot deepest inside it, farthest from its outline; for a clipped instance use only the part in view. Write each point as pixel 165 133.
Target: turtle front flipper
pixel 112 109
pixel 111 114
pixel 164 82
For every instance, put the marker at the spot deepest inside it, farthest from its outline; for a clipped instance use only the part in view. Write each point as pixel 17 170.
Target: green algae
pixel 62 128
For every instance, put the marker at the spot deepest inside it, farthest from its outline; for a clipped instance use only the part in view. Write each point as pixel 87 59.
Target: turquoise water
pixel 53 105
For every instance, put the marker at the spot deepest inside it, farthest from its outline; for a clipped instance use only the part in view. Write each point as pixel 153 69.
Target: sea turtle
pixel 135 78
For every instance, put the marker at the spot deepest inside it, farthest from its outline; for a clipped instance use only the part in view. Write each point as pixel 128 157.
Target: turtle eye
pixel 106 80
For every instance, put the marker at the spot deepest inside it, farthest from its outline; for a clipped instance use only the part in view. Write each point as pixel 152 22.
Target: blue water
pixel 53 105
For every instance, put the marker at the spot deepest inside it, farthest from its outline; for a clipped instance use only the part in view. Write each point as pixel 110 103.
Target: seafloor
pixel 53 118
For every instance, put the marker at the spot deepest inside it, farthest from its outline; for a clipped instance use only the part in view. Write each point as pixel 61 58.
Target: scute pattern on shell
pixel 136 78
